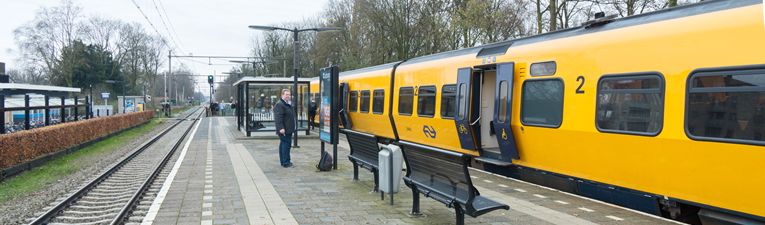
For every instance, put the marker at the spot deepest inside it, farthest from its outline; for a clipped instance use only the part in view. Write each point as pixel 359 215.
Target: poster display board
pixel 328 111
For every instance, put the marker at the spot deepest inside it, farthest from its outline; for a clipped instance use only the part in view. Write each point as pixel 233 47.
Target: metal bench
pixel 443 175
pixel 364 152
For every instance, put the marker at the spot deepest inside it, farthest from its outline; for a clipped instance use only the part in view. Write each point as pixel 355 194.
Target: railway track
pixel 114 196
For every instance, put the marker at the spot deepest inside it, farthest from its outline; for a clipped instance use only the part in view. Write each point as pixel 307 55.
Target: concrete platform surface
pixel 222 178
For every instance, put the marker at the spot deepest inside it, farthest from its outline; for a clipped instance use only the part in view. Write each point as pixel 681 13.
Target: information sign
pixel 328 89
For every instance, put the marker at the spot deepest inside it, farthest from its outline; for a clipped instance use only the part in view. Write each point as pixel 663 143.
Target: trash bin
pixel 384 162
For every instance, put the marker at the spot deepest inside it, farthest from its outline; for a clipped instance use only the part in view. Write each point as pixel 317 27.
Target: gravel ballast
pixel 20 209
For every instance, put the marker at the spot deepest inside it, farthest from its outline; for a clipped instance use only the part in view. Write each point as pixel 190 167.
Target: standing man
pixel 285 126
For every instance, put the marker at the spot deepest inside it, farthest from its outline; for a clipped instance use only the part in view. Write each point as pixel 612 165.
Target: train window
pixel 543 68
pixel 727 106
pixel 461 99
pixel 448 101
pixel 364 99
pixel 405 100
pixel 542 102
pixel 630 104
pixel 353 101
pixel 378 101
pixel 502 114
pixel 426 101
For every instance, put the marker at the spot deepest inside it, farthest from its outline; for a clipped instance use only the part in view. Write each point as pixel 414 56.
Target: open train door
pixel 503 100
pixel 345 120
pixel 463 117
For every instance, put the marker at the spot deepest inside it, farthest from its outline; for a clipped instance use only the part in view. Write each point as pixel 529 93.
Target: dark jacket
pixel 284 117
pixel 312 108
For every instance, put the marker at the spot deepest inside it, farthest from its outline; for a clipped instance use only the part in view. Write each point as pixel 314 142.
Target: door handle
pixel 476 121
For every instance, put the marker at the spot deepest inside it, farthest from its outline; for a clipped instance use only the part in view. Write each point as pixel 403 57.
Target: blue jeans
pixel 284 149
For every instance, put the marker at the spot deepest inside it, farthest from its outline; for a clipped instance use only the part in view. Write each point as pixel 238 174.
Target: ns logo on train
pixel 429 131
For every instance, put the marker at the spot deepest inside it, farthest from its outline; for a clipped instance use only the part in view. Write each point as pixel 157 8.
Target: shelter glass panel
pixel 263 96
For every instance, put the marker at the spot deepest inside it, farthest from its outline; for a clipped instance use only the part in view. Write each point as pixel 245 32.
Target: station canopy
pixel 8 89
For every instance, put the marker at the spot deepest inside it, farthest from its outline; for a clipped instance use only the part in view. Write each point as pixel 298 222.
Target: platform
pixel 222 178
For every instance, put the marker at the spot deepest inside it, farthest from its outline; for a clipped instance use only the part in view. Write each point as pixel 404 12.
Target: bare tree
pixel 153 58
pixel 28 75
pixel 42 40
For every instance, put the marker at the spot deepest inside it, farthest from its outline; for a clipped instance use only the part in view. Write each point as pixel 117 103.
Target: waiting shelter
pixel 35 102
pixel 256 96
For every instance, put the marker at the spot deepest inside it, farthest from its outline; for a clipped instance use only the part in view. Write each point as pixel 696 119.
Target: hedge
pixel 19 147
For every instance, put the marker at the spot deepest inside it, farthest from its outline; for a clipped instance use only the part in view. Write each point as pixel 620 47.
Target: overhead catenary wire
pixel 153 27
pixel 171 23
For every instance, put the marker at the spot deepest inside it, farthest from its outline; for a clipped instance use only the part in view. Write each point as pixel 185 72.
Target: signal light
pixel 210 79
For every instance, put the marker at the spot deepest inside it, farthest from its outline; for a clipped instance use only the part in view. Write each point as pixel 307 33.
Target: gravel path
pixel 17 210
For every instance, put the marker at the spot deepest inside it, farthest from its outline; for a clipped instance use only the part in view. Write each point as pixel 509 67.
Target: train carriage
pixel 660 112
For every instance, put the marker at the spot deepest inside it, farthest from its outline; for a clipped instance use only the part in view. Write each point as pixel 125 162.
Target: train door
pixel 345 120
pixel 466 117
pixel 503 101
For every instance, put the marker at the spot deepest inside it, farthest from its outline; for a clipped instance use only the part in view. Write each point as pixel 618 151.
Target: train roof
pixel 500 48
pixel 369 69
pixel 271 80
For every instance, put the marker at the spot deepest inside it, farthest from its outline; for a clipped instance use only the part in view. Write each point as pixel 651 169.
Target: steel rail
pixel 61 206
pixel 130 205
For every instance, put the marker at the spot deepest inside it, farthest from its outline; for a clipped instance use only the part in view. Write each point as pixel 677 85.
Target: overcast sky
pixel 204 27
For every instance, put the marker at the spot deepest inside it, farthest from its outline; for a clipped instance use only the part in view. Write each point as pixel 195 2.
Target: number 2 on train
pixel 579 89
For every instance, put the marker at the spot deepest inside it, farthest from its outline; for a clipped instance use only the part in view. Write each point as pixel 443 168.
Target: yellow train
pixel 660 112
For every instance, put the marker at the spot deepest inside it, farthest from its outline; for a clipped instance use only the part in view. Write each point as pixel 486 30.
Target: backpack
pixel 325 164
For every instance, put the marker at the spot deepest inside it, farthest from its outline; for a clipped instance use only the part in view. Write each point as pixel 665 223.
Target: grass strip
pixel 32 181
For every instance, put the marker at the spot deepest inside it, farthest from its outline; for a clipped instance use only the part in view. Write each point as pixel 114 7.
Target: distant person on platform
pixel 259 105
pixel 233 108
pixel 223 108
pixel 216 108
pixel 267 105
pixel 311 113
pixel 285 126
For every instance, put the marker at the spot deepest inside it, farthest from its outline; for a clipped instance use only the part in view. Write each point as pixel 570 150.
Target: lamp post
pixel 295 44
pixel 90 86
pixel 123 92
